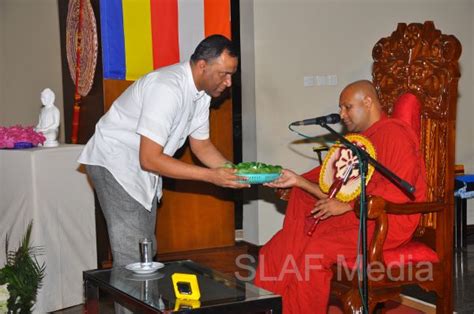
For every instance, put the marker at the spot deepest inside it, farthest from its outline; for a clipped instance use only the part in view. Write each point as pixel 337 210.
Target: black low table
pixel 153 293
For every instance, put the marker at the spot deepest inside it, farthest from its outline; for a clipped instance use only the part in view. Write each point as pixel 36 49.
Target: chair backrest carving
pixel 419 59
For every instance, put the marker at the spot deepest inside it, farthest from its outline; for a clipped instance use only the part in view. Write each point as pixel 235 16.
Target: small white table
pixel 46 186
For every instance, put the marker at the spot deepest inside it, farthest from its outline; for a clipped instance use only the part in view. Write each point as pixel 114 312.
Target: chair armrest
pixel 378 208
pixel 376 205
pixel 414 208
pixel 375 210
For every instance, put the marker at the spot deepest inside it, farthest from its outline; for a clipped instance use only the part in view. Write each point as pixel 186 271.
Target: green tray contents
pixel 256 172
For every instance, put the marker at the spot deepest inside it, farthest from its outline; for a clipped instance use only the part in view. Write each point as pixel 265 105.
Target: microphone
pixel 329 119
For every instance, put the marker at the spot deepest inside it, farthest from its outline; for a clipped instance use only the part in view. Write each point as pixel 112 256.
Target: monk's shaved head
pixel 360 106
pixel 361 88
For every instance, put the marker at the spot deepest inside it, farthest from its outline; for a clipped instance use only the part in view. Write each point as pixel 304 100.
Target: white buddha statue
pixel 49 119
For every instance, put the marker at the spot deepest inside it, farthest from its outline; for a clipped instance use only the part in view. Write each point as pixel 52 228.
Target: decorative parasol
pixel 336 162
pixel 81 51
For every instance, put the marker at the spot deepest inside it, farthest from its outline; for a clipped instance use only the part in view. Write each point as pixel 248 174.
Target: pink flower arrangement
pixel 9 136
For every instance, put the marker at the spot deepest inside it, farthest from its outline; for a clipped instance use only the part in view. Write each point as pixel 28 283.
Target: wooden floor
pixel 222 259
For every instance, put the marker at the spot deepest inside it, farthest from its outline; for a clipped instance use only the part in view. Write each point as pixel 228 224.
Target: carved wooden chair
pixel 418 59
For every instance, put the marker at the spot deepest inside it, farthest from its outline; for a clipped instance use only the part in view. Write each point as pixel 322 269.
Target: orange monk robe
pixel 297 266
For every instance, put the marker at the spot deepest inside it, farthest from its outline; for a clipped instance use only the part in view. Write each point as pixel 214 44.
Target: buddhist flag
pixel 139 36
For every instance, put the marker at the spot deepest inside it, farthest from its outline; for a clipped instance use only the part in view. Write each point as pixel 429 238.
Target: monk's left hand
pixel 328 207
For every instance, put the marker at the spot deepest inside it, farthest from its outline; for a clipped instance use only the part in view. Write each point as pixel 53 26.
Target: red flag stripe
pixel 164 24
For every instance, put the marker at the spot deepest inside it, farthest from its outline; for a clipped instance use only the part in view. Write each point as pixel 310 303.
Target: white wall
pixel 249 136
pixel 294 38
pixel 30 60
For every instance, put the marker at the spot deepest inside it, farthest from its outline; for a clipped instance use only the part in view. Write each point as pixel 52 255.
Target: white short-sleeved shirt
pixel 166 107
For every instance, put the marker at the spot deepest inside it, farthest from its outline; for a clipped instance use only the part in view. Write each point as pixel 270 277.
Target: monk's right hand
pixel 287 179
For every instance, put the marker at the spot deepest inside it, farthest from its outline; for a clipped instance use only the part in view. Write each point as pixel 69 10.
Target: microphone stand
pixel 365 159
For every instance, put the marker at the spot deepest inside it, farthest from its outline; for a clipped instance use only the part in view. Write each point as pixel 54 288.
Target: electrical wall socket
pixel 332 80
pixel 308 81
pixel 320 80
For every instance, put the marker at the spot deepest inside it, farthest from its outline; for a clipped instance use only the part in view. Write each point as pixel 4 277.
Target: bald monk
pixel 297 266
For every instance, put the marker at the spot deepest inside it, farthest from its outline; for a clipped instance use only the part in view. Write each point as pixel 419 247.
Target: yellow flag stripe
pixel 138 38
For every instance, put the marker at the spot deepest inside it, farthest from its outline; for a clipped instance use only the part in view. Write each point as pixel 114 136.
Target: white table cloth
pixel 45 185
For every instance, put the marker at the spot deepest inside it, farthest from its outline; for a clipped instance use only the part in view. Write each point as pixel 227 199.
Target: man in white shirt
pixel 134 142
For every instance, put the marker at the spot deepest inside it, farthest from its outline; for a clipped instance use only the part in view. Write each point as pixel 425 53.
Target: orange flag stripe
pixel 217 17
